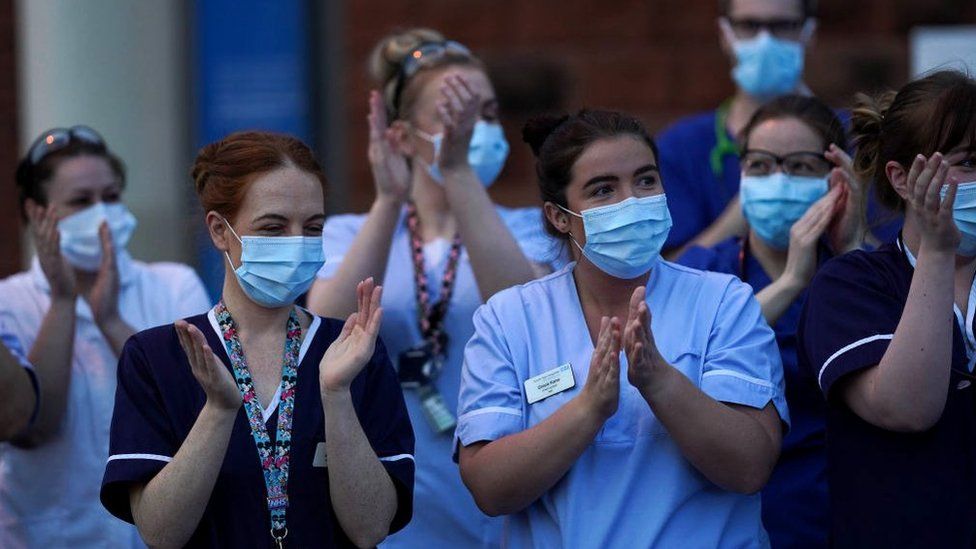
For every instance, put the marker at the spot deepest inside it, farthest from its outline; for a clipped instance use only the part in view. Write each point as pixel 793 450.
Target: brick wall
pixel 9 217
pixel 659 59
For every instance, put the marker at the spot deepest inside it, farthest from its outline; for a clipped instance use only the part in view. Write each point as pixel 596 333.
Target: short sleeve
pixel 338 234
pixel 386 423
pixel 192 298
pixel 489 401
pixel 141 441
pixel 528 230
pixel 742 364
pixel 848 320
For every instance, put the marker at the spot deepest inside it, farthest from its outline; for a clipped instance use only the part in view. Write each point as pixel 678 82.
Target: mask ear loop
pixel 227 255
pixel 570 233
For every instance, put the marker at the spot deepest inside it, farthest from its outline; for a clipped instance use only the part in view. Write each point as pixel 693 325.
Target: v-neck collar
pixel 307 337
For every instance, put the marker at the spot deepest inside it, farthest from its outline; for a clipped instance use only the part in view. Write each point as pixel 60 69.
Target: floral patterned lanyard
pixel 274 463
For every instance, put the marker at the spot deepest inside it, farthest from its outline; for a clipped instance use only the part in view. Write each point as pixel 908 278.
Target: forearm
pixel 116 332
pixel 366 257
pixel 907 390
pixel 496 258
pixel 168 509
pixel 16 396
pixel 727 445
pixel 51 356
pixel 509 474
pixel 362 492
pixel 777 297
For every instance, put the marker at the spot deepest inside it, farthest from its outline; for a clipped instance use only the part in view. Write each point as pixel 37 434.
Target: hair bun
pixel 391 50
pixel 539 128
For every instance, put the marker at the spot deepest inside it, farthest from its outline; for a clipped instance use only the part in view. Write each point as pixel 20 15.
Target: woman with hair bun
pixel 440 246
pixel 623 401
pixel 258 424
pixel 888 334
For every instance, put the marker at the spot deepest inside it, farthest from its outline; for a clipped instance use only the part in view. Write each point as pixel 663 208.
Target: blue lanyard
pixel 274 463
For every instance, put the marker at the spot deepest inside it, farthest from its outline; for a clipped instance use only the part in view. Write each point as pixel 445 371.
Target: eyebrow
pixel 270 217
pixel 611 178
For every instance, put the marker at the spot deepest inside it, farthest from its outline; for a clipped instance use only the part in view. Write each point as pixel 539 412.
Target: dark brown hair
pixel 809 110
pixel 31 178
pixel 558 141
pixel 224 170
pixel 809 7
pixel 387 58
pixel 932 114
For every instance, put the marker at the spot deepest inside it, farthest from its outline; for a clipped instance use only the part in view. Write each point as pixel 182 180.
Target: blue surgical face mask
pixel 487 152
pixel 767 66
pixel 773 203
pixel 275 270
pixel 625 239
pixel 964 213
pixel 80 242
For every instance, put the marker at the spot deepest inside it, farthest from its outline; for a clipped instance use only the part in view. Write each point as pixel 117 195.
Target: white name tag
pixel 549 383
pixel 320 459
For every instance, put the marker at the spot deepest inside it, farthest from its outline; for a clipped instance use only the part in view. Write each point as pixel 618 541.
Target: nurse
pixel 219 438
pixel 765 41
pixel 71 312
pixel 440 246
pixel 888 334
pixel 622 401
pixel 792 152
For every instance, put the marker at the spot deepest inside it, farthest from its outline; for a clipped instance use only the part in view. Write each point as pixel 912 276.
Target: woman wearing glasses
pixel 802 206
pixel 73 310
pixel 888 334
pixel 441 248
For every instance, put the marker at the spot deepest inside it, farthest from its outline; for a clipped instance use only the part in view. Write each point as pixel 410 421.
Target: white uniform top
pixel 49 494
pixel 631 487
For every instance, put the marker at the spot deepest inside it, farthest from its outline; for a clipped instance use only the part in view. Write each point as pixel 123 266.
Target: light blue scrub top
pixel 631 487
pixel 444 513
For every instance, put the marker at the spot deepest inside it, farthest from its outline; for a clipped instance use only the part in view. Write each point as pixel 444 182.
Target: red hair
pixel 223 170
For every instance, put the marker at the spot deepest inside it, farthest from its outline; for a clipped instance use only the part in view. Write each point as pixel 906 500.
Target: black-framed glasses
pixel 747 27
pixel 58 138
pixel 800 164
pixel 425 55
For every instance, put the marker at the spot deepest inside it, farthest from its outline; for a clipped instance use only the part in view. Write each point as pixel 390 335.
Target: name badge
pixel 549 383
pixel 320 459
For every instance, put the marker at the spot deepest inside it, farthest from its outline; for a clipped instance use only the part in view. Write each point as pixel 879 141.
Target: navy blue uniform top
pixel 158 400
pixel 794 508
pixel 887 489
pixel 699 191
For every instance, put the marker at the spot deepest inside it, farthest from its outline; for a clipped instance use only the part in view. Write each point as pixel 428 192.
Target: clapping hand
pixel 925 181
pixel 645 363
pixel 391 173
pixel 209 371
pixel 458 109
pixel 602 389
pixel 350 352
pixel 43 223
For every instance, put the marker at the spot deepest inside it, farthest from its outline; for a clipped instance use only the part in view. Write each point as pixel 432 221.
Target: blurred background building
pixel 159 79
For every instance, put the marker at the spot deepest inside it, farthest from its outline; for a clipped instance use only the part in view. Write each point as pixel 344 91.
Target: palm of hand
pixel 350 352
pixel 390 169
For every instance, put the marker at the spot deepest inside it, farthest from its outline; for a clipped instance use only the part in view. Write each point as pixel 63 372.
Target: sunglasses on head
pixel 54 140
pixel 422 56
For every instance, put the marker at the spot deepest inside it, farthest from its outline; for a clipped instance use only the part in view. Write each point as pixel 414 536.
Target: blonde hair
pixel 386 61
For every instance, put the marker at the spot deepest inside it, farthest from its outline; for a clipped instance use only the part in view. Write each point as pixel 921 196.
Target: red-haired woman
pixel 219 438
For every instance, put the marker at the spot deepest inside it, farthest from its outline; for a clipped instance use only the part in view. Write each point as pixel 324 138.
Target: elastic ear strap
pixel 224 219
pixel 570 212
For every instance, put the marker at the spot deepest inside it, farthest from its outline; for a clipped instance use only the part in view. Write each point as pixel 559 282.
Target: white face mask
pixel 80 242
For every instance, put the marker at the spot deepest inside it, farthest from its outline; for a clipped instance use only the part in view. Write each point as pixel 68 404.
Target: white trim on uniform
pixel 739 375
pixel 491 410
pixel 846 348
pixel 398 457
pixel 154 457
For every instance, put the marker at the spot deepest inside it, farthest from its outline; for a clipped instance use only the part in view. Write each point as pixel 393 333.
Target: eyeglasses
pixel 789 29
pixel 425 55
pixel 801 164
pixel 59 138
